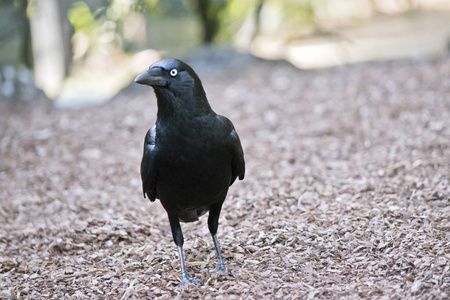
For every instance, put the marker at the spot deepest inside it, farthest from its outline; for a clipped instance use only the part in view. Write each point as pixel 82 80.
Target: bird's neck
pixel 181 107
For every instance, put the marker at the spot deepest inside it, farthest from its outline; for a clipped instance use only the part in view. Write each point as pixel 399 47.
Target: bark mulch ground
pixel 346 193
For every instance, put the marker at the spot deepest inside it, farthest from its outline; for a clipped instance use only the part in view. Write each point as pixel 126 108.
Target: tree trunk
pixel 51 44
pixel 208 11
pixel 257 18
pixel 26 51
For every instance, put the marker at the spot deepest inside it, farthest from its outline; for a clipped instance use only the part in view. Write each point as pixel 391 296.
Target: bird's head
pixel 172 77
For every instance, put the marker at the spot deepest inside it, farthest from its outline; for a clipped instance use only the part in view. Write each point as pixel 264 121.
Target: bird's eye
pixel 173 72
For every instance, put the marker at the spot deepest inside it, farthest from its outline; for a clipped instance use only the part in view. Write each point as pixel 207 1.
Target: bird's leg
pixel 179 241
pixel 220 266
pixel 213 224
pixel 185 277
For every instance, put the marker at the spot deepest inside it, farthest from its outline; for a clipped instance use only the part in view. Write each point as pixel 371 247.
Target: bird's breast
pixel 193 172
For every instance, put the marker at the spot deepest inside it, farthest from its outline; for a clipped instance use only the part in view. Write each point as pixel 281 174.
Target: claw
pixel 187 279
pixel 220 268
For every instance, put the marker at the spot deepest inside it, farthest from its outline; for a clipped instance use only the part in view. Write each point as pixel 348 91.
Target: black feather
pixel 191 155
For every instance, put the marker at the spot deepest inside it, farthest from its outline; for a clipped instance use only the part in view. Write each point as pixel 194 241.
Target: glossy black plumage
pixel 191 155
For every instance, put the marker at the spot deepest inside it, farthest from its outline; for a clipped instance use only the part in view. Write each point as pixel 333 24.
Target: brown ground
pixel 346 193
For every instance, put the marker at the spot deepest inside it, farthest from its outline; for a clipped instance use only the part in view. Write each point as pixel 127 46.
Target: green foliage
pixel 299 11
pixel 104 26
pixel 223 18
pixel 80 16
pixel 295 14
pixel 15 38
pixel 298 14
pixel 148 7
pixel 233 16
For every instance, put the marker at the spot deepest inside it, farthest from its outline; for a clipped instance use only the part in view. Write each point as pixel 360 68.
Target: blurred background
pixel 343 110
pixel 84 52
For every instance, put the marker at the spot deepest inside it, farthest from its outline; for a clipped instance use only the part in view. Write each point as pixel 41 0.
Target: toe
pixel 221 268
pixel 189 280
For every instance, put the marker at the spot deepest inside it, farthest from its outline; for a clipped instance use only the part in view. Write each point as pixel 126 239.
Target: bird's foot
pixel 188 279
pixel 220 268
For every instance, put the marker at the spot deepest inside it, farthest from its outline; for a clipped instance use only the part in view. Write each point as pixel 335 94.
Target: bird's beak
pixel 152 77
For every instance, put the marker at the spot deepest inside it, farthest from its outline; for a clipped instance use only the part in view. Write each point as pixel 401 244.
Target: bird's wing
pixel 237 162
pixel 148 168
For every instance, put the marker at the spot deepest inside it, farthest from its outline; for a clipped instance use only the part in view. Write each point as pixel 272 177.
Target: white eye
pixel 173 72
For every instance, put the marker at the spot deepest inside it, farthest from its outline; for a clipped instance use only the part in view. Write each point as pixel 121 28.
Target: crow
pixel 191 155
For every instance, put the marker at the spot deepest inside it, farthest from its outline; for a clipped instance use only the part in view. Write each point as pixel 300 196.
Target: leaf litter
pixel 346 193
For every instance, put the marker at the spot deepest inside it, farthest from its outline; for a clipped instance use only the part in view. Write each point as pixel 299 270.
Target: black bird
pixel 191 155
